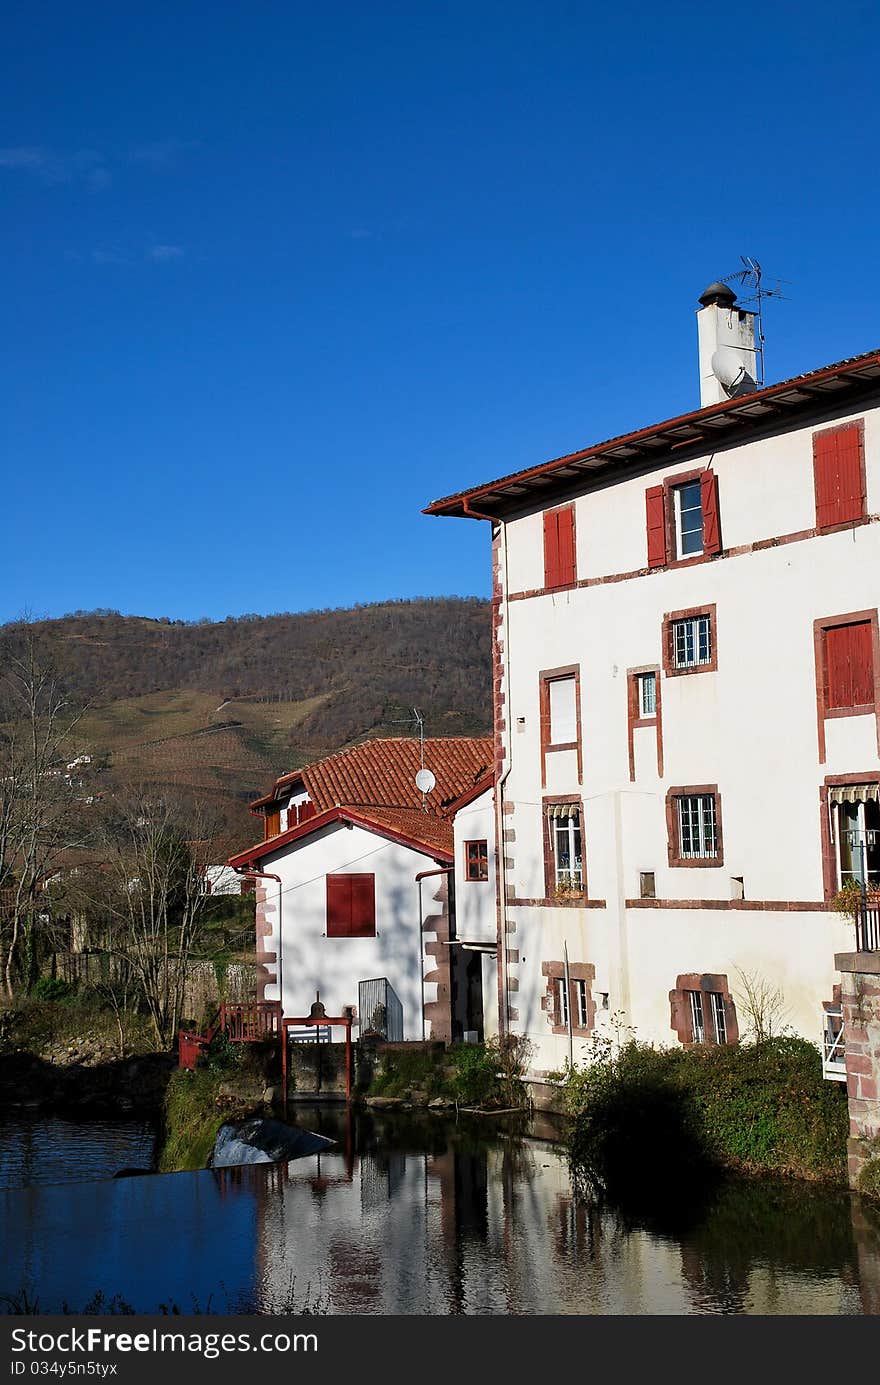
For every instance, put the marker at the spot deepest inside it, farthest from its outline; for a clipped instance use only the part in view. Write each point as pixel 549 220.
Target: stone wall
pixel 860 1001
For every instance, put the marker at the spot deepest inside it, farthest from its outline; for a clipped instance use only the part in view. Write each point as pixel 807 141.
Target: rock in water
pixel 263 1141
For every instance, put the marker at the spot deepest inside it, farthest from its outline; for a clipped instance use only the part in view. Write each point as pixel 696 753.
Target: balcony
pixel 833 1052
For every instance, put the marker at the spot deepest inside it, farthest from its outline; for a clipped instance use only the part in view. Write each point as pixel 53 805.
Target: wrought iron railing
pixel 379 1010
pixel 867 927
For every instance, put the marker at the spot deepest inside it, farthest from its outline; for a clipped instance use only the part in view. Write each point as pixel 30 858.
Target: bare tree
pixel 152 847
pixel 761 1005
pixel 39 815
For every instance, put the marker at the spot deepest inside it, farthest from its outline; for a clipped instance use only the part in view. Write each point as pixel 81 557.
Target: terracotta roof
pixel 422 831
pixel 838 384
pixel 381 773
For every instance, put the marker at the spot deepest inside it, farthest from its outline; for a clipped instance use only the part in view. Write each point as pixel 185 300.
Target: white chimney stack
pixel 728 357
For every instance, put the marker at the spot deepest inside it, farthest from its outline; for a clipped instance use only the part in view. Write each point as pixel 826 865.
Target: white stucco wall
pixel 311 961
pixel 750 728
pixel 475 911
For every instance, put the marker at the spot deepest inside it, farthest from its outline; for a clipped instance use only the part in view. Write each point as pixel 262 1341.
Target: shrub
pixel 664 1114
pixel 52 988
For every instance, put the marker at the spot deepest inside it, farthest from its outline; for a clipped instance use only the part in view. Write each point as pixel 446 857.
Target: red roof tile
pixel 381 774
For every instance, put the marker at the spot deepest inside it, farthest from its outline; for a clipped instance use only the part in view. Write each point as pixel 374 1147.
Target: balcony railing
pixel 867 927
pixel 833 1052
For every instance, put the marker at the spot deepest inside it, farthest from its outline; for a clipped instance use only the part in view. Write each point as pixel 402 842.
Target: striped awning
pixel 854 793
pixel 563 810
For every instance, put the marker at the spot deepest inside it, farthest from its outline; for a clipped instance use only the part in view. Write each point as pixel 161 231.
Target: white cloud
pixel 83 165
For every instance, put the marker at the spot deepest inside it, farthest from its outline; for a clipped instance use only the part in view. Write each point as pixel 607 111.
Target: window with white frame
pixel 698 1032
pixel 563 711
pixel 566 846
pixel 855 816
pixel 583 1009
pixel 687 511
pixel 697 826
pixel 562 1001
pixel 647 686
pixel 691 641
pixel 716 1004
pixel 708 1017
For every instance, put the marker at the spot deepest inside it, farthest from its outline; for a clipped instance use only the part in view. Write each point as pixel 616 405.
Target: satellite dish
pixel 425 781
pixel 728 367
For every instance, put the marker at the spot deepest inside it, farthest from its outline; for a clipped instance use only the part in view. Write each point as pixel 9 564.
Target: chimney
pixel 728 358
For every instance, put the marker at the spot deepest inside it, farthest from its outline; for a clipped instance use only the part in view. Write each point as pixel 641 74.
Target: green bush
pixel 52 988
pixel 667 1113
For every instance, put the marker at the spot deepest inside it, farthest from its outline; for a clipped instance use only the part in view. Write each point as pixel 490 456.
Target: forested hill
pixel 225 706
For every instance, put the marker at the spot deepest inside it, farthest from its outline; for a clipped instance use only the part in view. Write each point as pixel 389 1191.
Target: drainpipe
pixel 248 873
pixel 499 786
pixel 423 875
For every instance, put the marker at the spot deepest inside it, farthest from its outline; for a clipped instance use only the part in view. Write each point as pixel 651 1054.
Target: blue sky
pixel 275 276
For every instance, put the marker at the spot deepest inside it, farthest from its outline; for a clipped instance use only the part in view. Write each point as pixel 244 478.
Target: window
pixel 698 1032
pixel 647 886
pixel 682 518
pixel 561 1002
pixel 563 711
pixel 849 661
pixel 696 825
pixel 693 820
pixel 716 1003
pixel 839 474
pixel 703 1011
pixel 583 1008
pixel 565 845
pixel 855 811
pixel 647 686
pixel 476 856
pixel 559 548
pixel 351 906
pixel 687 509
pixel 690 643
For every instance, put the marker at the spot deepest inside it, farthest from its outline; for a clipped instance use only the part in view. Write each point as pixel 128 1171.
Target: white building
pixel 686 685
pixel 358 892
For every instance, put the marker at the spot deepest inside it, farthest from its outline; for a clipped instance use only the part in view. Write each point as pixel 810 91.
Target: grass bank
pixel 229 1086
pixel 664 1116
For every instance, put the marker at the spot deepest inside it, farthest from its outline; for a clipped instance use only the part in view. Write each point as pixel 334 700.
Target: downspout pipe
pixel 471 513
pixel 249 873
pixel 424 875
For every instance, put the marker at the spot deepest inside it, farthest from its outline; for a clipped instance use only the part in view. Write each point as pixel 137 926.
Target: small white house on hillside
pixel 357 885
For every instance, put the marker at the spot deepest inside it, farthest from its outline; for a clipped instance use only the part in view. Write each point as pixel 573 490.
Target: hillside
pixel 223 707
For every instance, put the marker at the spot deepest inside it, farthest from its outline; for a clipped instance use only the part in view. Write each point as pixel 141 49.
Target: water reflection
pixel 417 1217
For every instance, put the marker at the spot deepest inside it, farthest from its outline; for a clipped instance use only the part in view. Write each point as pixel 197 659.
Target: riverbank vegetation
pixel 233 1082
pixel 486 1076
pixel 665 1116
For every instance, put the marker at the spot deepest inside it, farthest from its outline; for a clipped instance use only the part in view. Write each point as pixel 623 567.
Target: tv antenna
pixel 425 780
pixel 751 276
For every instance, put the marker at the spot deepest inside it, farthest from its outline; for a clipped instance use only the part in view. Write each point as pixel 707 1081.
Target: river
pixel 408 1216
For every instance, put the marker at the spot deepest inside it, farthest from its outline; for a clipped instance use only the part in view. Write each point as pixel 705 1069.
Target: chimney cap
pixel 719 293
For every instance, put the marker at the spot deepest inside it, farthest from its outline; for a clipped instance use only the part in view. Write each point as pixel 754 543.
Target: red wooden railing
pixel 254 1022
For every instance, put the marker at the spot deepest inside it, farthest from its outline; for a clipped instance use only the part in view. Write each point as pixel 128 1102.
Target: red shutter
pixel 711 523
pixel 565 536
pixel 838 475
pixel 850 493
pixel 656 517
pixel 551 549
pixel 850 665
pixel 559 558
pixel 363 906
pixel 351 906
pixel 338 906
pixel 305 810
